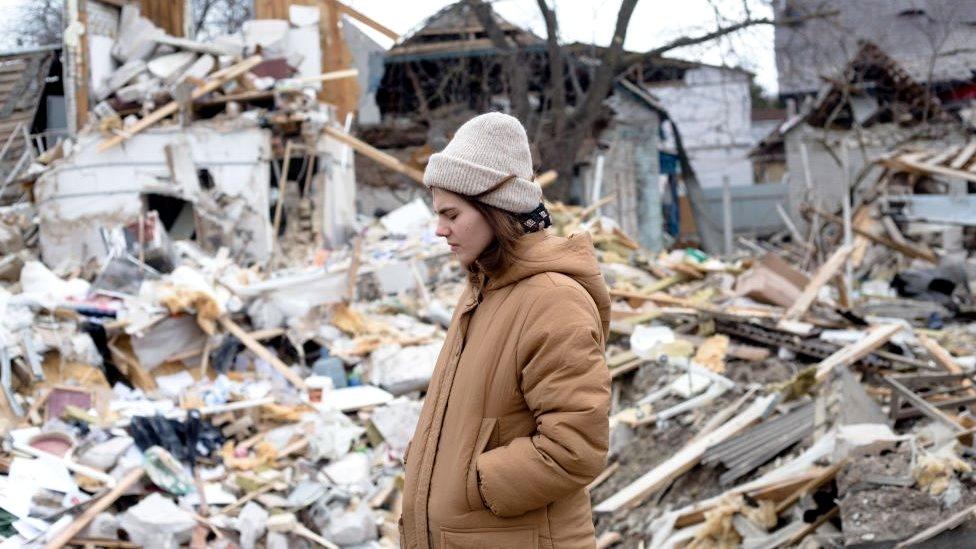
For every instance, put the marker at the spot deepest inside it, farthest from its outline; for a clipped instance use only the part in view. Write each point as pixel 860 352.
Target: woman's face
pixel 466 230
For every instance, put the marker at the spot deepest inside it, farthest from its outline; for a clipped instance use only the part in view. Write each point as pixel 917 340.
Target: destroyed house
pixel 930 39
pixel 712 106
pixel 868 107
pixel 451 60
pixel 31 103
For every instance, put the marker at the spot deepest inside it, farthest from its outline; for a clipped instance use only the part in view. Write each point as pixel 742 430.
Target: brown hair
pixel 500 253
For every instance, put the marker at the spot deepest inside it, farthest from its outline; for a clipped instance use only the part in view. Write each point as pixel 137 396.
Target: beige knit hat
pixel 488 159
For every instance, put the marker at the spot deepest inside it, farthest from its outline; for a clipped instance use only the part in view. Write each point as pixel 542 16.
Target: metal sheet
pixel 938 208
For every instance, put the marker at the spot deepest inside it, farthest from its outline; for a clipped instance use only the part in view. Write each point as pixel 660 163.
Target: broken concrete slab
pixel 403 369
pixel 157 523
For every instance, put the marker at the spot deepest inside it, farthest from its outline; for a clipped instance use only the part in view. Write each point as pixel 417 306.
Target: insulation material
pixel 711 353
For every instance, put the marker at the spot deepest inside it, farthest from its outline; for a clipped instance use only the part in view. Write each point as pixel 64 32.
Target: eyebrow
pixel 445 210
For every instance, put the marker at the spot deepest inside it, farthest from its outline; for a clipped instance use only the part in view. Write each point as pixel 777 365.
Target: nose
pixel 442 230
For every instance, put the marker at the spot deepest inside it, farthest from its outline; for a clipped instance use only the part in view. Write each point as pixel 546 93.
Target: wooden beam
pixel 909 250
pixel 329 76
pixel 215 81
pixel 262 352
pixel 368 21
pixel 948 524
pixel 103 503
pixel 774 491
pixel 657 478
pixel 547 178
pixel 964 156
pixel 923 405
pixel 826 476
pixel 847 355
pixel 826 271
pixel 908 164
pixel 344 94
pixel 810 528
pixel 603 476
pixel 82 72
pixel 375 154
pixel 166 14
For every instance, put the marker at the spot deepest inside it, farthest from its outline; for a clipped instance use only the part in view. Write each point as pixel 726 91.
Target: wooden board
pixel 964 156
pixel 166 14
pixel 255 347
pixel 849 354
pixel 657 478
pixel 826 271
pixel 375 154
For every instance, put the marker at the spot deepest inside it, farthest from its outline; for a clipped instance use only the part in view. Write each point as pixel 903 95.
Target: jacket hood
pixel 541 252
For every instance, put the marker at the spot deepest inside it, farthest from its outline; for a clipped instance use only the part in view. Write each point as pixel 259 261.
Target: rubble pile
pixel 202 343
pixel 191 355
pixel 811 390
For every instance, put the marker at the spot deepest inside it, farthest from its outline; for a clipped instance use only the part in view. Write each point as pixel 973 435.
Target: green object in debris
pixel 167 472
pixel 6 524
pixel 697 255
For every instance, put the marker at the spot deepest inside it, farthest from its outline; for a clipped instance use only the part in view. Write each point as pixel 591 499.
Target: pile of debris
pixel 816 391
pixel 202 342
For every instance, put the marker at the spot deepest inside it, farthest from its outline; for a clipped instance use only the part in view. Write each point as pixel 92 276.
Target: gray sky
pixel 654 22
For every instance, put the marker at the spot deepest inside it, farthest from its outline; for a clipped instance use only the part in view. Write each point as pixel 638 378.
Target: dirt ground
pixel 872 512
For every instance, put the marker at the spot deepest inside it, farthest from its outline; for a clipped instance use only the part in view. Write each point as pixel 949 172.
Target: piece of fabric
pixel 536 220
pixel 515 420
pixel 488 158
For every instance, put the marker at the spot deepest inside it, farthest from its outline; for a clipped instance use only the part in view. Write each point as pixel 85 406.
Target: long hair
pixel 500 253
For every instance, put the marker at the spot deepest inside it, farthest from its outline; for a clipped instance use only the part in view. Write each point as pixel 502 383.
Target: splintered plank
pixel 654 480
pixel 847 355
pixel 262 352
pixel 964 156
pixel 823 276
pixel 216 80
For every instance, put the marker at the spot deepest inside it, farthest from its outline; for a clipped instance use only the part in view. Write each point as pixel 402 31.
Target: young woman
pixel 514 424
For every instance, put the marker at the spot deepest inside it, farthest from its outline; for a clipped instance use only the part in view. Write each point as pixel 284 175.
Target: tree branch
pixel 557 86
pixel 721 31
pixel 603 80
pixel 201 19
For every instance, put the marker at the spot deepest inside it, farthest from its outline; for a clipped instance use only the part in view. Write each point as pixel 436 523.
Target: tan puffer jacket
pixel 514 424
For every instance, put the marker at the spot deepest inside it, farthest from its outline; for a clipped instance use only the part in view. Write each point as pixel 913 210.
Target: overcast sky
pixel 654 22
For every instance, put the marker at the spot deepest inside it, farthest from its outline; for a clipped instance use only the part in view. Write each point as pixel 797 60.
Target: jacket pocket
pixel 485 436
pixel 490 538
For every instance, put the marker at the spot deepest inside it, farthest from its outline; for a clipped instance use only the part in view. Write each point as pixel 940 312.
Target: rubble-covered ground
pixel 203 343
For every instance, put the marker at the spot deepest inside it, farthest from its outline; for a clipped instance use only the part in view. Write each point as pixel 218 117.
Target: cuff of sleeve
pixel 482 491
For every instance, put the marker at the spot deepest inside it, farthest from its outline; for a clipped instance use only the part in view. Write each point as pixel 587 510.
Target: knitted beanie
pixel 488 159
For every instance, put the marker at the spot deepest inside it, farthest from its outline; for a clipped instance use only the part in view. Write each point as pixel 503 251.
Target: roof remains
pixel 455 31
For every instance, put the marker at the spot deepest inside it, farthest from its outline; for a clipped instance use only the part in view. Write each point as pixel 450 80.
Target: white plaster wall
pixel 712 109
pixel 90 190
pixel 714 163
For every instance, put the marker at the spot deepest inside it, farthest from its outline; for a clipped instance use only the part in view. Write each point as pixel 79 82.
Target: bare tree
pixel 35 23
pixel 562 126
pixel 213 17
